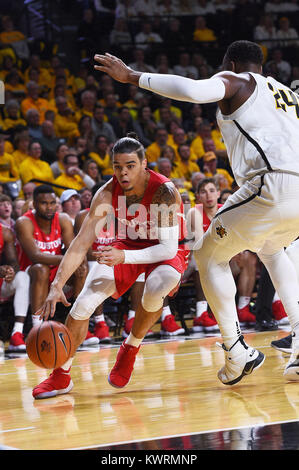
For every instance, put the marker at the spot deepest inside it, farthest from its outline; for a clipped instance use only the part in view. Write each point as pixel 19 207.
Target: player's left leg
pixel 160 282
pixel 19 288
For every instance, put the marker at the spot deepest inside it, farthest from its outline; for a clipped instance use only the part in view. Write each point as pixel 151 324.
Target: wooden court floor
pixel 174 396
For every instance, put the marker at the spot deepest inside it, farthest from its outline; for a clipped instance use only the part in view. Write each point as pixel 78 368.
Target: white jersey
pixel 262 135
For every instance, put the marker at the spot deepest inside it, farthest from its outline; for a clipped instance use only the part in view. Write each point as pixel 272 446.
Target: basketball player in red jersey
pixel 148 210
pixel 15 283
pixel 41 234
pixel 200 216
pixel 243 265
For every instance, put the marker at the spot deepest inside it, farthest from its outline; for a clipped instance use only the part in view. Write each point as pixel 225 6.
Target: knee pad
pixel 159 283
pixel 99 285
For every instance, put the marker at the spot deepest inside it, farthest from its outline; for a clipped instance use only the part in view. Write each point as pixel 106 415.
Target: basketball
pixel 49 345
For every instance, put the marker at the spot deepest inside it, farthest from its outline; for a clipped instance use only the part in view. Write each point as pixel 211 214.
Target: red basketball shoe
pixel 16 342
pixel 122 370
pixel 245 316
pixel 58 383
pixel 209 322
pixel 197 325
pixel 169 327
pixel 279 313
pixel 101 331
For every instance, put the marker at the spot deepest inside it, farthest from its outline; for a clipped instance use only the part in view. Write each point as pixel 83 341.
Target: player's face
pixel 208 196
pixel 128 170
pixel 45 206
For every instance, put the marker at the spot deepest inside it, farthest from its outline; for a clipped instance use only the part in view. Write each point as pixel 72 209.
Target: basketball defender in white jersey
pixel 259 121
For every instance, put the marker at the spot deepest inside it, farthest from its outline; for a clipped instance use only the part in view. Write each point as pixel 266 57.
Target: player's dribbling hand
pixel 48 309
pixel 109 255
pixel 113 66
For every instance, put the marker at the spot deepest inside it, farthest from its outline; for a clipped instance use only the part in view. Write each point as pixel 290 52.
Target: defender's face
pixel 128 170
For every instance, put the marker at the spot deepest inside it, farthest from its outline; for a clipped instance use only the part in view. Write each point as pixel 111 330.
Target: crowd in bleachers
pixel 60 121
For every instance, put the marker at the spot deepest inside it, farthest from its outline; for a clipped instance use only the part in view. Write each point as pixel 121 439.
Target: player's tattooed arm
pixel 165 204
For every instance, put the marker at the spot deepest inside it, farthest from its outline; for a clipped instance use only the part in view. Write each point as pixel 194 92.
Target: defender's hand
pixel 113 66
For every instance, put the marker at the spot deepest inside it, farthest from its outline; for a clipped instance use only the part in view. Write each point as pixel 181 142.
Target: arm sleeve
pixel 182 88
pixel 166 248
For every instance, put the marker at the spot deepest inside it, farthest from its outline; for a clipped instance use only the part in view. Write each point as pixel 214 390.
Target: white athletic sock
pixel 18 327
pixel 132 341
pixel 99 318
pixel 243 301
pixel 275 298
pixel 36 320
pixel 131 314
pixel 66 366
pixel 201 307
pixel 165 312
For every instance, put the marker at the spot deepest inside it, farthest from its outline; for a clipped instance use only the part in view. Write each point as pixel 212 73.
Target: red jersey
pixel 205 219
pixel 138 230
pixel 135 231
pixel 47 243
pixel 104 238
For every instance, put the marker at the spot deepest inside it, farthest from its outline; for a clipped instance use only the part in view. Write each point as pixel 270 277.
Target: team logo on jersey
pixel 221 231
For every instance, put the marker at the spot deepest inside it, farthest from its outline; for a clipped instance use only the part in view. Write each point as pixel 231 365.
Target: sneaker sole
pixel 249 368
pixel 197 329
pixel 210 329
pixel 172 333
pixel 91 342
pixel 17 348
pixel 285 350
pixel 54 393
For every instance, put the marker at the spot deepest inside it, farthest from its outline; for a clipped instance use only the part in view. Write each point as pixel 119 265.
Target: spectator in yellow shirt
pixel 21 145
pixel 210 168
pixel 207 140
pixel 88 101
pixel 153 151
pixel 35 168
pixel 8 170
pixel 73 177
pixel 167 103
pixel 186 166
pixel 101 155
pixel 14 85
pixel 201 32
pixel 169 153
pixel 14 38
pixel 34 101
pixel 35 63
pixel 180 138
pixel 12 115
pixel 164 167
pixel 65 122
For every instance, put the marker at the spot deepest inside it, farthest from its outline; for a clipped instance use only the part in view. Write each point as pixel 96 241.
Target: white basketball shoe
pixel 240 360
pixel 291 372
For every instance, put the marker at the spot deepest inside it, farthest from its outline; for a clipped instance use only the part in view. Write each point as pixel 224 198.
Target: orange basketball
pixel 49 345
